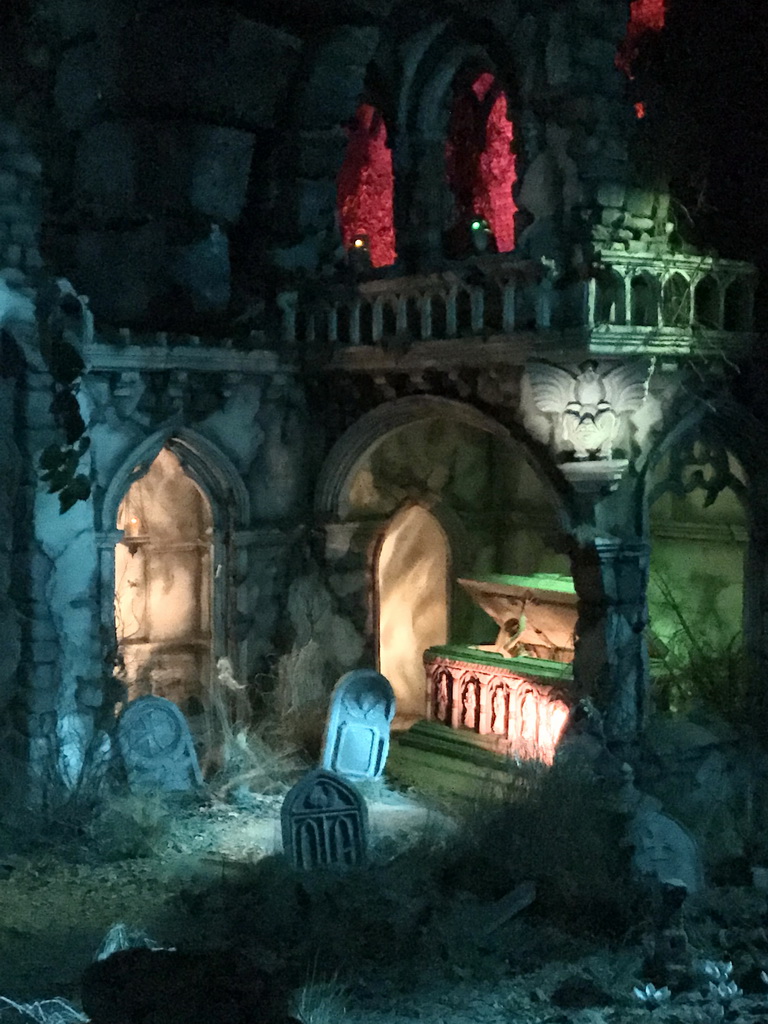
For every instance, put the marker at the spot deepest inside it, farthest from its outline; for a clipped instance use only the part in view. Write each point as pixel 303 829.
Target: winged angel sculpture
pixel 588 404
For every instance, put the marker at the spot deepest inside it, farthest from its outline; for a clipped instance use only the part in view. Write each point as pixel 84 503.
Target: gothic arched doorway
pixel 412 583
pixel 163 585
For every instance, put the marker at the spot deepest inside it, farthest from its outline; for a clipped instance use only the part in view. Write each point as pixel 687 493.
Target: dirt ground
pixel 54 913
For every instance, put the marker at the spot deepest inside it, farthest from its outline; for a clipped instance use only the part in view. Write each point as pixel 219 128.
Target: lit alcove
pixel 412 576
pixel 163 585
pixel 480 165
pixel 365 189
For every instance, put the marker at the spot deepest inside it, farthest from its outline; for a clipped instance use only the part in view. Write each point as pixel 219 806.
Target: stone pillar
pixel 611 659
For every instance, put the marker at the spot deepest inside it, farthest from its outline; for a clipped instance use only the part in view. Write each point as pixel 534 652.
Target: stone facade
pixel 193 294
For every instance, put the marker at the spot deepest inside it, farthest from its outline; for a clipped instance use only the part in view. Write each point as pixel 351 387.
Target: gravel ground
pixel 54 913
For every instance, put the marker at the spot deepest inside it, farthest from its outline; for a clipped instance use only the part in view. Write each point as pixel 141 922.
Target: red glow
pixel 644 16
pixel 365 187
pixel 480 161
pixel 640 110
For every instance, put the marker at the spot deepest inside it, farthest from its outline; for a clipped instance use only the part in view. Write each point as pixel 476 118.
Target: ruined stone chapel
pixel 310 310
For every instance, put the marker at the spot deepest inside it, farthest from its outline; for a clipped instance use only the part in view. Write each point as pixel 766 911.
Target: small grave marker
pixel 156 746
pixel 357 734
pixel 664 849
pixel 324 822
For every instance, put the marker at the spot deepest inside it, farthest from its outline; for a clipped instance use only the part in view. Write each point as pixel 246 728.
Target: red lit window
pixel 365 188
pixel 644 16
pixel 480 161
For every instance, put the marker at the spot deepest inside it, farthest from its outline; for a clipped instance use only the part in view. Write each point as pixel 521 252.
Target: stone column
pixel 611 659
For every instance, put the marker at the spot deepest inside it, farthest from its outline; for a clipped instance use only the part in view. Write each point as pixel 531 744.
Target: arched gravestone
pixel 324 822
pixel 156 746
pixel 664 849
pixel 357 734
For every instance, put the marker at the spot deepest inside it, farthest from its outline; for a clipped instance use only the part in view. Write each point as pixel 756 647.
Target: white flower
pixel 724 991
pixel 650 996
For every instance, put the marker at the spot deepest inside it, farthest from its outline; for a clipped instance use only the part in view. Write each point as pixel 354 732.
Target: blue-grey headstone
pixel 357 734
pixel 324 822
pixel 156 746
pixel 664 849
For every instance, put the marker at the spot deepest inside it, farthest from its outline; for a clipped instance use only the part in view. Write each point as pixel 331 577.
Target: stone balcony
pixel 627 303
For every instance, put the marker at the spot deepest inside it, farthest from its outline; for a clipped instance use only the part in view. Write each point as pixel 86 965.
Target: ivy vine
pixel 60 462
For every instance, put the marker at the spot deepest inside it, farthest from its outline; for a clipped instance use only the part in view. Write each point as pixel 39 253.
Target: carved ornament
pixel 588 406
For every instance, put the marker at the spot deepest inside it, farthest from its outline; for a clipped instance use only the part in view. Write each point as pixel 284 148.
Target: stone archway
pixel 430 487
pixel 412 578
pixel 163 585
pixel 216 512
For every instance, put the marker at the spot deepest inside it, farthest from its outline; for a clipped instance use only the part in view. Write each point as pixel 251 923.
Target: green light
pixel 476 225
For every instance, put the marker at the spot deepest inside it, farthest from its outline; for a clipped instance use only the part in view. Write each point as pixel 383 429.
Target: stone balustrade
pixel 687 303
pixel 627 303
pixel 486 298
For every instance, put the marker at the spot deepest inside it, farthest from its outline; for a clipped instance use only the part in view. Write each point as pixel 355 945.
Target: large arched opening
pixel 428 491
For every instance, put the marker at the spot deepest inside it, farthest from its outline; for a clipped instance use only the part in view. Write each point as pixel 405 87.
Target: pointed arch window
pixel 481 168
pixel 365 187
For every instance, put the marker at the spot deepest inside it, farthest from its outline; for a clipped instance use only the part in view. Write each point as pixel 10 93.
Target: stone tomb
pixel 356 740
pixel 324 822
pixel 156 746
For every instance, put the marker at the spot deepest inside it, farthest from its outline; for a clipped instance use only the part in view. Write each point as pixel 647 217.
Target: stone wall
pixel 20 204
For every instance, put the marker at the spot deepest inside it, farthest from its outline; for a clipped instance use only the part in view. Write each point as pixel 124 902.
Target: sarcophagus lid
pixel 535 614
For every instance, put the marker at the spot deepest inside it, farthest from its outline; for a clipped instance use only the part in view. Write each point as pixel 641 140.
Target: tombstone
pixel 357 734
pixel 664 850
pixel 324 822
pixel 156 746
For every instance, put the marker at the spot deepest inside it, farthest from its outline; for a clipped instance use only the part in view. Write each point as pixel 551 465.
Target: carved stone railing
pixel 687 303
pixel 626 302
pixel 479 301
pixel 520 703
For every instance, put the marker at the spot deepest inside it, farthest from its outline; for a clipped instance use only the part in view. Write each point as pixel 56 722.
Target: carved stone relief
pixel 588 406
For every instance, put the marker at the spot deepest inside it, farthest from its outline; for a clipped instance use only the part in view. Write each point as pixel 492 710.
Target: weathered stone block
pixel 32 258
pixel 638 224
pixel 10 136
pixel 209 62
pixel 202 269
pixel 596 53
pixel 220 171
pixel 44 651
pixel 315 203
pixel 9 184
pixel 12 255
pixel 24 163
pixel 610 217
pixel 336 81
pixel 134 258
pixel 24 233
pixel 640 202
pixel 105 166
pixel 83 78
pixel 611 193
